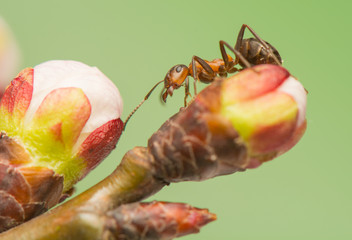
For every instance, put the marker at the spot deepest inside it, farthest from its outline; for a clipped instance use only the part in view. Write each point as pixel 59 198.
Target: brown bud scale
pixel 25 191
pixel 197 143
pixel 155 221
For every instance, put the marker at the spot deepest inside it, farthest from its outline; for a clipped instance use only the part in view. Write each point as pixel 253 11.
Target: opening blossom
pixel 58 121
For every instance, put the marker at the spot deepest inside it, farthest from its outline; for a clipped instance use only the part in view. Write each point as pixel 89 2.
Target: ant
pixel 248 52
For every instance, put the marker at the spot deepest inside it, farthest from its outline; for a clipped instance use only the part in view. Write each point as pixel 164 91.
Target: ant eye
pixel 178 69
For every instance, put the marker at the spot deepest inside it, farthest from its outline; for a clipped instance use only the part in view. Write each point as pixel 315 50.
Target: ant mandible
pixel 248 52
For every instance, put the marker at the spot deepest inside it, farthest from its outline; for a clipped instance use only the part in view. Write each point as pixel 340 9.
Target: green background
pixel 304 194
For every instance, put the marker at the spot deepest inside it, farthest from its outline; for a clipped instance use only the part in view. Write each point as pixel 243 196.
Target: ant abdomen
pixel 256 53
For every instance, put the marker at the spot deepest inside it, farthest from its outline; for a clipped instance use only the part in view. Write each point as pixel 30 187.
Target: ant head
pixel 174 79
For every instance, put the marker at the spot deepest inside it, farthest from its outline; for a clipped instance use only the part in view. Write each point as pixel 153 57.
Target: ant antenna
pixel 140 104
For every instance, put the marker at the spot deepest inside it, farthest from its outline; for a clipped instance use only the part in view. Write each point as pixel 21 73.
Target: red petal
pixel 254 82
pixel 100 143
pixel 271 138
pixel 18 95
pixel 295 137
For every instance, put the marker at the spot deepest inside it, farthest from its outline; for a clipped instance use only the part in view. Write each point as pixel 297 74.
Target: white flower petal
pixel 294 88
pixel 103 95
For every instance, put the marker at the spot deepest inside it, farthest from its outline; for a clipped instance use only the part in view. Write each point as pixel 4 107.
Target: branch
pixel 131 181
pixel 215 135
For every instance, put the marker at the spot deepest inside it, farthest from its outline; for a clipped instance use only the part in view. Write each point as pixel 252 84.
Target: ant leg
pixel 235 51
pixel 229 66
pixel 195 87
pixel 240 38
pixel 204 65
pixel 238 55
pixel 237 46
pixel 208 76
pixel 187 93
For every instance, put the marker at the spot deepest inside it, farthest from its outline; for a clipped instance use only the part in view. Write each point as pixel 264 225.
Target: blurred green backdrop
pixel 305 194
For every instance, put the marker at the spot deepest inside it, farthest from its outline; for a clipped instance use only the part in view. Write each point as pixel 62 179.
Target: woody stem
pixel 132 181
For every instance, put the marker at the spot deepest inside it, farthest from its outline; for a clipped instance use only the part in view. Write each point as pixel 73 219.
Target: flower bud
pixel 266 106
pixel 155 220
pixel 9 56
pixel 233 124
pixel 59 120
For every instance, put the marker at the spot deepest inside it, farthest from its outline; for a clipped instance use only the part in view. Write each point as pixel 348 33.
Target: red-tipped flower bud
pixel 156 220
pixel 234 124
pixel 266 106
